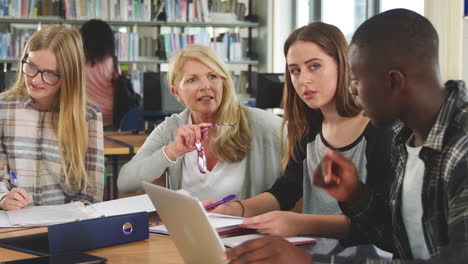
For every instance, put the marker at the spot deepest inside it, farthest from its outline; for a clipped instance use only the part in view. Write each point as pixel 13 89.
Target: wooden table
pixel 156 249
pixel 118 144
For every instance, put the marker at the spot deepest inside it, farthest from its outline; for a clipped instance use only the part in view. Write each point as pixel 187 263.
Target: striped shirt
pixel 444 190
pixel 29 147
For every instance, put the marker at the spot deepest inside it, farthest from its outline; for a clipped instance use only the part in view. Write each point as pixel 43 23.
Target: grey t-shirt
pixel 316 200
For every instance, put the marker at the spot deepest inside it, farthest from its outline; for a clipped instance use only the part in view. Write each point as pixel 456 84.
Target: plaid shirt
pixel 444 190
pixel 29 147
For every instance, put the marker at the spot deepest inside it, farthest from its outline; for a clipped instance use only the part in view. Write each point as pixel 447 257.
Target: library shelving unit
pixel 141 60
pixel 134 25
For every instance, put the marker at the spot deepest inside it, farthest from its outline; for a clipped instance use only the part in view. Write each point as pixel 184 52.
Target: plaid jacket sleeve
pixel 370 221
pixel 371 218
pixel 4 175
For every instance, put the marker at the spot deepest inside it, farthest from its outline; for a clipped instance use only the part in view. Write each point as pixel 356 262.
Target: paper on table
pixel 218 221
pixel 4 222
pixel 222 221
pixel 237 240
pixel 63 213
pixel 48 214
pixel 134 204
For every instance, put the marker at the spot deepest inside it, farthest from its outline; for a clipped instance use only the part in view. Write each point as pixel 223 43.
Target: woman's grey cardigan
pixel 263 164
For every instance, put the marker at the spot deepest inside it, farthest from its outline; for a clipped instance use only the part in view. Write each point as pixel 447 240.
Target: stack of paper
pixel 75 211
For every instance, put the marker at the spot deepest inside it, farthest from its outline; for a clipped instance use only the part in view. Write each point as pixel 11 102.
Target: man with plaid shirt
pixel 395 76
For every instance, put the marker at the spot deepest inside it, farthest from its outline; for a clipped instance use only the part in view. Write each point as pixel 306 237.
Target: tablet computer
pixel 188 225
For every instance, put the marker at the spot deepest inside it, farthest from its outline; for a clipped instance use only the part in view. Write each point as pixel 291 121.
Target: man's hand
pixel 17 198
pixel 267 249
pixel 278 223
pixel 337 175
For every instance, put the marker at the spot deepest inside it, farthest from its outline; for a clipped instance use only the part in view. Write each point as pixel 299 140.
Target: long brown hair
pixel 298 117
pixel 70 121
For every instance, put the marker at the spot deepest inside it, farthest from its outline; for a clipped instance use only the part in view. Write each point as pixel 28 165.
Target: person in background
pixel 319 113
pixel 394 63
pixel 51 149
pixel 242 154
pixel 99 49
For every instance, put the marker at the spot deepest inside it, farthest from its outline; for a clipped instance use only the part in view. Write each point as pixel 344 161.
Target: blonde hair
pixel 228 143
pixel 70 121
pixel 298 117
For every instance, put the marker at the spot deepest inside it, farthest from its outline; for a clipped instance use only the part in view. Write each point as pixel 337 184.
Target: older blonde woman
pixel 241 157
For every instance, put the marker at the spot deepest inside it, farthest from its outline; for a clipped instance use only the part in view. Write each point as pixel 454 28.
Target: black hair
pixel 398 33
pixel 98 40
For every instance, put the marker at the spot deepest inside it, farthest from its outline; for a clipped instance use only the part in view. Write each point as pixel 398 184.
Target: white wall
pixel 465 50
pixel 276 23
pixel 446 16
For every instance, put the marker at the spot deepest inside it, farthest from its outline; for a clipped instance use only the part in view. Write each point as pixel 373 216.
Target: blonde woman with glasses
pixel 216 146
pixel 51 149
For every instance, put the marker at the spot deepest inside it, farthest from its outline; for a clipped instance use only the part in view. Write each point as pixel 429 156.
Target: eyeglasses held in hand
pixel 31 70
pixel 201 160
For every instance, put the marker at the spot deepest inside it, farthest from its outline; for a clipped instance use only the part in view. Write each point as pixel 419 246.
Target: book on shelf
pixel 228 45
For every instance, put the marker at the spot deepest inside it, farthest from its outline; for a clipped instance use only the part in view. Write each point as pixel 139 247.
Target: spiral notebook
pixel 297 240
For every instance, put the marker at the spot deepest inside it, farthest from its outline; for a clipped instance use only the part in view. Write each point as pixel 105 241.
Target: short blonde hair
pixel 70 121
pixel 229 144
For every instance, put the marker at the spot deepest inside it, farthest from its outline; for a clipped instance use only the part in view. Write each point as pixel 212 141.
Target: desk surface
pixel 119 143
pixel 156 249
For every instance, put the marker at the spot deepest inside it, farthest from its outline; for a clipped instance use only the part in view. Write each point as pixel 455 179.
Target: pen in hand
pixel 224 200
pixel 14 179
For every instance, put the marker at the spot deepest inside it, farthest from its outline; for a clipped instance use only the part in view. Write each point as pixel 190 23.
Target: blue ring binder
pixel 83 235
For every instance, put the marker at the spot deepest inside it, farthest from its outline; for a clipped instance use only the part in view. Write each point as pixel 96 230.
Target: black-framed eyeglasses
pixel 48 77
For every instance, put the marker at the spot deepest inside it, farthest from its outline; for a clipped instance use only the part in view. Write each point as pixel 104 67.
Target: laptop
pixel 187 222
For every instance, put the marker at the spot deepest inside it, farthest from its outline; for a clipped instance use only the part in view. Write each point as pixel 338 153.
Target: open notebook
pixel 225 225
pixel 232 234
pixel 75 211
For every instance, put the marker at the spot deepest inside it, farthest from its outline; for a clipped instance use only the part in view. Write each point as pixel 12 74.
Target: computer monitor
pixel 268 89
pixel 157 95
pixel 7 79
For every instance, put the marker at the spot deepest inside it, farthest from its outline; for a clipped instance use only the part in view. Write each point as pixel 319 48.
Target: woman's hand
pixel 278 223
pixel 185 140
pixel 17 198
pixel 233 208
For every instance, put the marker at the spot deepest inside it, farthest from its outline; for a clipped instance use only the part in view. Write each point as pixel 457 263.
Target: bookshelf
pixel 141 43
pixel 140 60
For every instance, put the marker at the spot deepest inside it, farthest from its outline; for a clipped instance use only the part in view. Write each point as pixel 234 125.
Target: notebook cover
pixel 98 232
pixel 82 235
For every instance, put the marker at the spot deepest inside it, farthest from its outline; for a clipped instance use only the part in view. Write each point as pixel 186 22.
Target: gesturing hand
pixel 15 199
pixel 338 177
pixel 267 249
pixel 185 140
